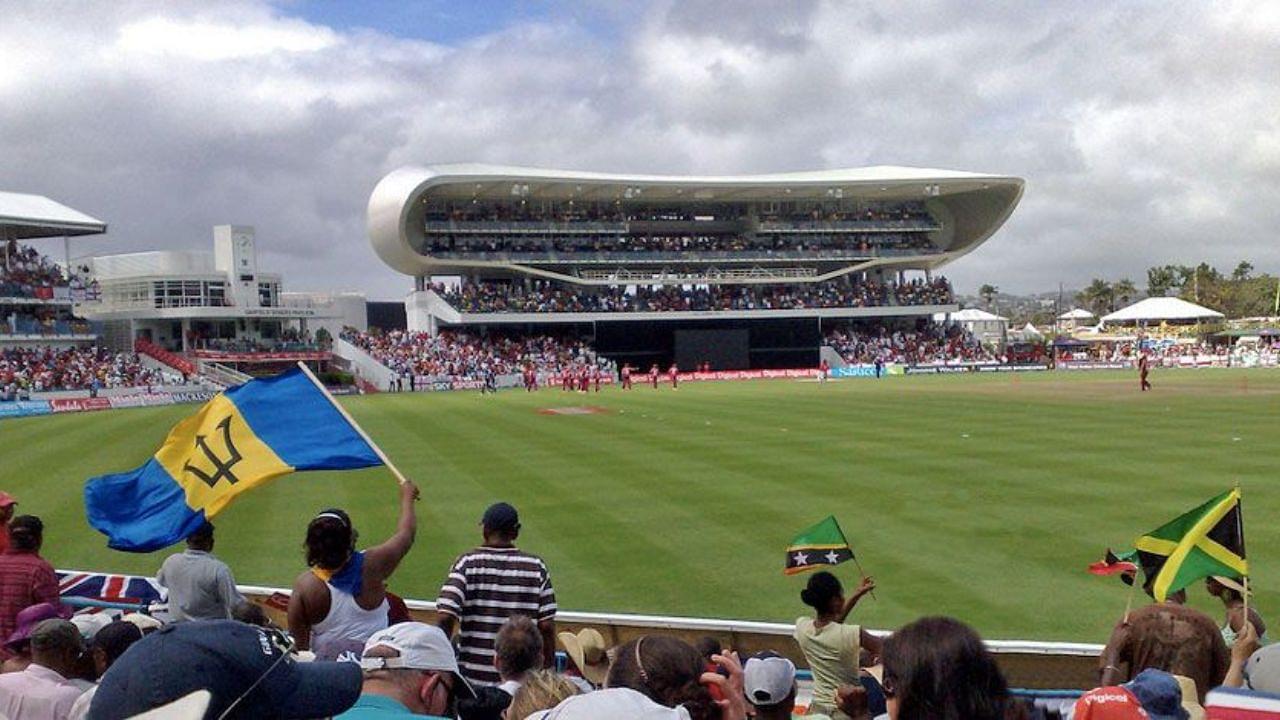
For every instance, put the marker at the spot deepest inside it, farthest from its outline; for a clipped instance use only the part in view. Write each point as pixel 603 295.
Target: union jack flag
pixel 112 588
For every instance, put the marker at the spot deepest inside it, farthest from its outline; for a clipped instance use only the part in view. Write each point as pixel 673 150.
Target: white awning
pixel 25 216
pixel 1162 308
pixel 1076 314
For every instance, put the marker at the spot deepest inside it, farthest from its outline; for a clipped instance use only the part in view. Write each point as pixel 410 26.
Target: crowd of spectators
pixel 25 273
pixel 544 296
pixel 768 243
pixel 925 342
pixel 42 320
pixel 571 212
pixel 461 355
pixel 210 650
pixel 74 368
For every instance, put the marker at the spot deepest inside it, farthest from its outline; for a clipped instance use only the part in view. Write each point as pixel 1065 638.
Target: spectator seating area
pixel 25 273
pixel 923 343
pixel 543 297
pixel 41 320
pixel 459 355
pixel 819 242
pixel 77 368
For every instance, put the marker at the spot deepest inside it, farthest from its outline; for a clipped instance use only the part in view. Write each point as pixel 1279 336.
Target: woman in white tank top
pixel 341 600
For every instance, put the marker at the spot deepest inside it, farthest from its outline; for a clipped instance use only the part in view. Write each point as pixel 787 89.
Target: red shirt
pixel 26 579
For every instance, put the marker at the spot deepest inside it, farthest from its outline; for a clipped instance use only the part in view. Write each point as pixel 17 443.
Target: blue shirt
pixel 381 707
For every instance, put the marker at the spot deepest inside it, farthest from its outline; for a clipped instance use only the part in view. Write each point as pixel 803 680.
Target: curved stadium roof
pixel 977 203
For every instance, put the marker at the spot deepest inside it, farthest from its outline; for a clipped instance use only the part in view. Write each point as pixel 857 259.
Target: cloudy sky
pixel 1148 132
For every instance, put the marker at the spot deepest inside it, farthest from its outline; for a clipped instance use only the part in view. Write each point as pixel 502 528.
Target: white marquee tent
pixel 1076 314
pixel 1160 309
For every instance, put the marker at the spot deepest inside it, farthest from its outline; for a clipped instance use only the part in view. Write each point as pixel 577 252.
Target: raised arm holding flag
pixel 242 439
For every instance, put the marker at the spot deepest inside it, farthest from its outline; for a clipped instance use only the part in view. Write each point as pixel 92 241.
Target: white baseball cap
pixel 611 703
pixel 420 647
pixel 90 623
pixel 768 678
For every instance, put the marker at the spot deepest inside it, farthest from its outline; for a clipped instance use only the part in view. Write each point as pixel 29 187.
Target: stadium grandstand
pixel 213 313
pixel 726 273
pixel 44 346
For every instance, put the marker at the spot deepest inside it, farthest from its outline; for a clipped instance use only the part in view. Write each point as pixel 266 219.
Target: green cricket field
pixel 982 497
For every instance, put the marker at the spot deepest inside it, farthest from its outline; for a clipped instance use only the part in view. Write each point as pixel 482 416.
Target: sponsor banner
pixel 232 356
pixel 192 396
pixel 141 400
pixel 865 370
pixel 1094 365
pixel 61 405
pixel 1012 368
pixel 24 408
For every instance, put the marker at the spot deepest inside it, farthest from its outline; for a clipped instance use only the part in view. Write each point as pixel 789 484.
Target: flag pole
pixel 400 478
pixel 1128 605
pixel 863 573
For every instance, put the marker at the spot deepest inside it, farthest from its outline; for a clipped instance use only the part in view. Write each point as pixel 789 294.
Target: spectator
pixel 517 652
pixel 541 690
pixel 1255 692
pixel 342 600
pixel 489 704
pixel 19 643
pixel 1152 694
pixel 669 672
pixel 489 584
pixel 7 505
pixel 26 579
pixel 249 672
pixel 45 690
pixel 1168 637
pixel 832 648
pixel 1231 592
pixel 409 671
pixel 108 645
pixel 937 668
pixel 200 585
pixel 769 681
pixel 588 663
pixel 251 613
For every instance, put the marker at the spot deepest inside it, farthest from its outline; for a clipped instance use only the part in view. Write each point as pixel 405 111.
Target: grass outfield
pixel 982 497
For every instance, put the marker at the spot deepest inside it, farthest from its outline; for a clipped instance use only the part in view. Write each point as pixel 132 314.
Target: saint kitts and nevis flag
pixel 240 440
pixel 822 544
pixel 1209 540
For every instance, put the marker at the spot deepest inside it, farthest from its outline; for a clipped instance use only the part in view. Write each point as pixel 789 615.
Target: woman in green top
pixel 1231 592
pixel 830 647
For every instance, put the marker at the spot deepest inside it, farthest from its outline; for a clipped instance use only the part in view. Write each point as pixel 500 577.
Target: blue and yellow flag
pixel 240 440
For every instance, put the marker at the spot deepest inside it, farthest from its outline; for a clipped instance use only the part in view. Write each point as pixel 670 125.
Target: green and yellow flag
pixel 822 544
pixel 1206 541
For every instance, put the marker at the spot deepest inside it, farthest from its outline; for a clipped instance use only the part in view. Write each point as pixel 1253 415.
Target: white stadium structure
pixel 493 245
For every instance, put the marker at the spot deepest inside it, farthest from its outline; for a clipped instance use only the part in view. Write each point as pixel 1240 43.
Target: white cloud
pixel 1147 131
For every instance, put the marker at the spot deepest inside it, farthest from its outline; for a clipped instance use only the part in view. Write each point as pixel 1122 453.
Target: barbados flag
pixel 240 440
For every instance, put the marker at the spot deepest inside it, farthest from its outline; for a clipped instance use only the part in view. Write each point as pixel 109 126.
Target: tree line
pixel 1242 293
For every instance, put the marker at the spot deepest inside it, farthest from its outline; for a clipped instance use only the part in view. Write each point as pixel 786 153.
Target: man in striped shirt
pixel 489 584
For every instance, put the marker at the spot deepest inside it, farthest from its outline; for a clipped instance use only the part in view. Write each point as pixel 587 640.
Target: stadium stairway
pixel 368 371
pixel 833 358
pixel 170 360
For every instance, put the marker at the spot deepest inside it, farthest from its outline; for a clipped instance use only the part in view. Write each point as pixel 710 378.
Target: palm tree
pixel 988 293
pixel 1098 296
pixel 1123 290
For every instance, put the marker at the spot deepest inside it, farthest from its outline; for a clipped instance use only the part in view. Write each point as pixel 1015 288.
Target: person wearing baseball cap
pixel 489 584
pixel 250 672
pixel 8 504
pixel 410 671
pixel 769 682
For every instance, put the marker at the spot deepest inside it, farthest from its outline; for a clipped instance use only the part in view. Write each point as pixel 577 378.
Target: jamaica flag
pixel 1206 541
pixel 822 544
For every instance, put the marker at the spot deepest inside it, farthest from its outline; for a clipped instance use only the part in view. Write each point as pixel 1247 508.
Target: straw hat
pixel 1232 583
pixel 587 650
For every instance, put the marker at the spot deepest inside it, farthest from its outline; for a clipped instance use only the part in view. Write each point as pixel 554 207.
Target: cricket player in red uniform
pixel 584 380
pixel 1144 369
pixel 597 375
pixel 824 370
pixel 626 376
pixel 674 373
pixel 653 376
